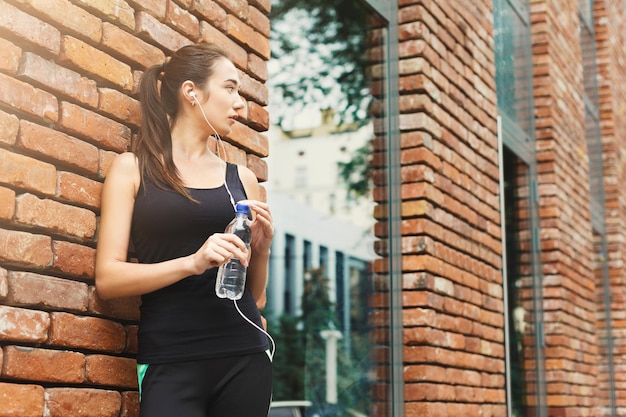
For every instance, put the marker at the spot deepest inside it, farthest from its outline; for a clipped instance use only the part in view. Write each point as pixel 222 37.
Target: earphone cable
pixel 273 348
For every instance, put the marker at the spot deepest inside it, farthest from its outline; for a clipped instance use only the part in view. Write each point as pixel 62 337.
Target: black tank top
pixel 186 320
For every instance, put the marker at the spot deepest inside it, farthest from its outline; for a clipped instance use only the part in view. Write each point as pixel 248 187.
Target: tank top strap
pixel 234 182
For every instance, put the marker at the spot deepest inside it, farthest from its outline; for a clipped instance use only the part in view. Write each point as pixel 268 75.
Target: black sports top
pixel 186 320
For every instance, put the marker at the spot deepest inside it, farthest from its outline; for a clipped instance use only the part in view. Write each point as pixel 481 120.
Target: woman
pixel 172 197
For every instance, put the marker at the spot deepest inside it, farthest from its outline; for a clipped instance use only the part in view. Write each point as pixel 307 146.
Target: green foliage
pixel 300 365
pixel 333 31
pixel 356 173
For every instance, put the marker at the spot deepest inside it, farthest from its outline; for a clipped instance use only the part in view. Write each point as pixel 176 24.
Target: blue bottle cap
pixel 242 208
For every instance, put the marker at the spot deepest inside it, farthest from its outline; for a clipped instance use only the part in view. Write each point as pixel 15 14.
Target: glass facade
pixel 525 374
pixel 328 300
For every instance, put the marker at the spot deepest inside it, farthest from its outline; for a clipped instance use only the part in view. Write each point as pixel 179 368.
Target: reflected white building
pixel 316 224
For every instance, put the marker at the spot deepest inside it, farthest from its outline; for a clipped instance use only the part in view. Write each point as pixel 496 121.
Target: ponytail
pixel 159 107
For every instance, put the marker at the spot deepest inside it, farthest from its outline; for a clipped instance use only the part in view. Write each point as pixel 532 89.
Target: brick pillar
pixel 571 346
pixel 611 56
pixel 69 73
pixel 451 237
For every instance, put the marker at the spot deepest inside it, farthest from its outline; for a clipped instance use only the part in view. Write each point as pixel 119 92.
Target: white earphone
pixel 192 94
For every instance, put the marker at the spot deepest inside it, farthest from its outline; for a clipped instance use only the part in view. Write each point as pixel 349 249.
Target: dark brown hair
pixel 160 106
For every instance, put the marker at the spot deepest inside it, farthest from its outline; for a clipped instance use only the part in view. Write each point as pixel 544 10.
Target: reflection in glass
pixel 327 301
pixel 521 329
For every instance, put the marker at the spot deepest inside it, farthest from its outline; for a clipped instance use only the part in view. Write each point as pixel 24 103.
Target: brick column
pixel 611 56
pixel 451 238
pixel 571 346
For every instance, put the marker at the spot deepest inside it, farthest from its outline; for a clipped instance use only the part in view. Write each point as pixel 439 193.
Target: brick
pixel 20 400
pixel 25 249
pixel 118 11
pixel 183 21
pixel 236 53
pixel 95 62
pixel 27 288
pixel 94 127
pixel 238 8
pixel 130 404
pixel 10 55
pixel 28 99
pixel 79 190
pixel 4 290
pixel 254 90
pixel 263 5
pixel 7 203
pixel 258 166
pixel 63 149
pixel 247 36
pixel 250 139
pixel 9 127
pixel 260 21
pixel 28 173
pixel 82 402
pixel 211 12
pixel 131 339
pixel 257 67
pixel 151 30
pixel 88 333
pixel 21 325
pixel 43 365
pixel 106 159
pixel 258 117
pixel 56 217
pixel 130 48
pixel 74 259
pixel 120 106
pixel 72 18
pixel 122 308
pixel 112 371
pixel 156 8
pixel 29 29
pixel 58 79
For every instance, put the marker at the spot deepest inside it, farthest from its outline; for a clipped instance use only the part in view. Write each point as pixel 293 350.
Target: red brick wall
pixel 69 72
pixel 610 18
pixel 453 309
pixel 571 352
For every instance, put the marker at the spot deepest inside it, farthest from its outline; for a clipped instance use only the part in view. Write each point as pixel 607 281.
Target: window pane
pixel 513 64
pixel 327 147
pixel 521 355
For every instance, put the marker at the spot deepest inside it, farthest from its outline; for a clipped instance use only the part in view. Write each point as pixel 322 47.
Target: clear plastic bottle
pixel 231 276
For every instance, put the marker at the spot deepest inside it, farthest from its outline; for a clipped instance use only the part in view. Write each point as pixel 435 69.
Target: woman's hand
pixel 262 226
pixel 218 249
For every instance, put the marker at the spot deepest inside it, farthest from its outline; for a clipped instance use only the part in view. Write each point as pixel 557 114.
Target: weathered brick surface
pixel 25 249
pixel 35 290
pixel 74 259
pixel 20 400
pixel 22 325
pixel 82 402
pixel 35 364
pixel 112 371
pixel 58 79
pixel 86 333
pixel 58 147
pixel 55 217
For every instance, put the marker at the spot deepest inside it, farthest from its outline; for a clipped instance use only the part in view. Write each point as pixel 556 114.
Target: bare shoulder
pixel 124 169
pixel 249 181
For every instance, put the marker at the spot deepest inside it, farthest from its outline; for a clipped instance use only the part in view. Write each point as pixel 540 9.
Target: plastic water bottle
pixel 231 276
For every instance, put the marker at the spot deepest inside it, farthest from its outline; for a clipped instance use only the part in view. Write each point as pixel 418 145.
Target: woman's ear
pixel 189 92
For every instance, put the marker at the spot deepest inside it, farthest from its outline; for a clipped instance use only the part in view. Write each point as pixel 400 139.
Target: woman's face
pixel 223 103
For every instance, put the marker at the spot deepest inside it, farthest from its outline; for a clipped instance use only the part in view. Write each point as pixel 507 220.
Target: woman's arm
pixel 262 235
pixel 115 276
